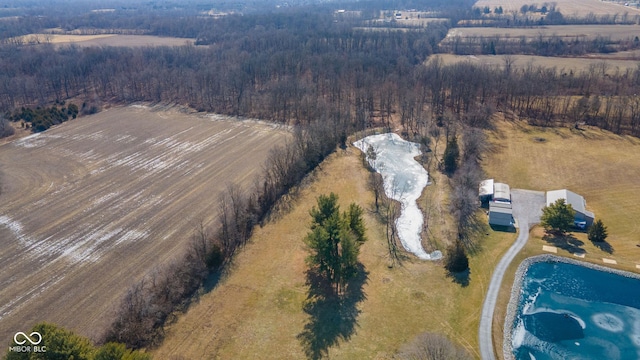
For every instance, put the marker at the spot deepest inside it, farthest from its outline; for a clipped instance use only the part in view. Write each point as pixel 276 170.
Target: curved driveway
pixel 527 208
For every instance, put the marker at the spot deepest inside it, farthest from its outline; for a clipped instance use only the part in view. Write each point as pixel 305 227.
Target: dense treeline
pixel 541 45
pixel 289 86
pixel 275 74
pixel 545 96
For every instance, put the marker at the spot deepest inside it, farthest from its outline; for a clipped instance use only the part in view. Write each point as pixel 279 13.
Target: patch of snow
pixel 16 228
pixel 404 178
pixel 30 141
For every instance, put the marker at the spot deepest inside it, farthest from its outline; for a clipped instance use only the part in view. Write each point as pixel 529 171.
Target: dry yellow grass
pixel 597 164
pixel 564 64
pixel 601 166
pixel 256 312
pixel 566 7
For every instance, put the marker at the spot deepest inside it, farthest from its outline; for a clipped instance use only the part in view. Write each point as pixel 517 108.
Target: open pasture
pixel 90 206
pixel 563 64
pixel 579 8
pixel 569 32
pixel 104 40
pixel 258 310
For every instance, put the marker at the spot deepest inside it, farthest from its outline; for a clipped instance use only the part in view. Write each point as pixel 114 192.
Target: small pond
pixel 404 178
pixel 569 311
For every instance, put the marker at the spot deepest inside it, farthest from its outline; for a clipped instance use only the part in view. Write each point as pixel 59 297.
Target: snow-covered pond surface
pixel 404 178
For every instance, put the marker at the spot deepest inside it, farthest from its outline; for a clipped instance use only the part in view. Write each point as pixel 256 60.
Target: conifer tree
pixel 597 232
pixel 557 217
pixel 451 155
pixel 334 241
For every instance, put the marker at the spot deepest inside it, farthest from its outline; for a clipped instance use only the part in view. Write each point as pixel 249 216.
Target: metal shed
pixel 501 192
pixel 485 190
pixel 500 214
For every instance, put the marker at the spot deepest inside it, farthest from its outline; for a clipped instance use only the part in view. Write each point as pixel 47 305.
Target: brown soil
pixel 90 206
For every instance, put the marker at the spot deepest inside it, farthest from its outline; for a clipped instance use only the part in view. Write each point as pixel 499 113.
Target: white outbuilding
pixel 583 217
pixel 485 190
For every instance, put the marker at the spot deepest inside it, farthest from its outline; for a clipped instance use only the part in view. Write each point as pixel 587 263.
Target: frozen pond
pixel 569 311
pixel 404 178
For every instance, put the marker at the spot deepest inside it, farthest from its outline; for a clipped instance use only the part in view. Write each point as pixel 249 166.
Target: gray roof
pixel 503 208
pixel 501 191
pixel 576 201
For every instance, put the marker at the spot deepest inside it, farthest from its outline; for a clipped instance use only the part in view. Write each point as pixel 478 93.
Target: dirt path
pixel 527 206
pixel 92 205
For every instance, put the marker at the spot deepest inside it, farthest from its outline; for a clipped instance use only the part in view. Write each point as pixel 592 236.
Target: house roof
pixel 576 201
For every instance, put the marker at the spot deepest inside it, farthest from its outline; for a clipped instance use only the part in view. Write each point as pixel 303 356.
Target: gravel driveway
pixel 527 208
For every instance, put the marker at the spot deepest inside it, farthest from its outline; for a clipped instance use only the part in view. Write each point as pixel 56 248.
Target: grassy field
pixel 563 64
pixel 615 32
pixel 594 163
pixel 257 310
pixel 105 40
pixel 90 206
pixel 566 7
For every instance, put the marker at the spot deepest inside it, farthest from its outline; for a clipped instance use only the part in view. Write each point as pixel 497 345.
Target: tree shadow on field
pixel 565 241
pixel 331 317
pixel 460 278
pixel 604 246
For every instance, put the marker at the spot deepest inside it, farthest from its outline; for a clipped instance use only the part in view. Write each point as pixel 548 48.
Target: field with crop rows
pixel 90 206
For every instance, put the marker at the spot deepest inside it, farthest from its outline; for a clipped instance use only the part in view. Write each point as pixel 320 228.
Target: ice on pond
pixel 404 178
pixel 576 313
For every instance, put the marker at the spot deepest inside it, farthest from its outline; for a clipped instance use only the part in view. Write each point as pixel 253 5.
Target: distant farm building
pixel 498 195
pixel 583 217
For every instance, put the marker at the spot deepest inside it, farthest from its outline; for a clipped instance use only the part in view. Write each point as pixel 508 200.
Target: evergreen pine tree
pixel 334 241
pixel 557 217
pixel 451 155
pixel 597 232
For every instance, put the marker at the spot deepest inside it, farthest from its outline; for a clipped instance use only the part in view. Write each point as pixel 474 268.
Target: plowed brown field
pixel 90 206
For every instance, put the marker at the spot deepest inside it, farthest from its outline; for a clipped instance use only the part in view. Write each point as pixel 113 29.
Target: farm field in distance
pixel 611 64
pixel 90 206
pixel 105 40
pixel 567 7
